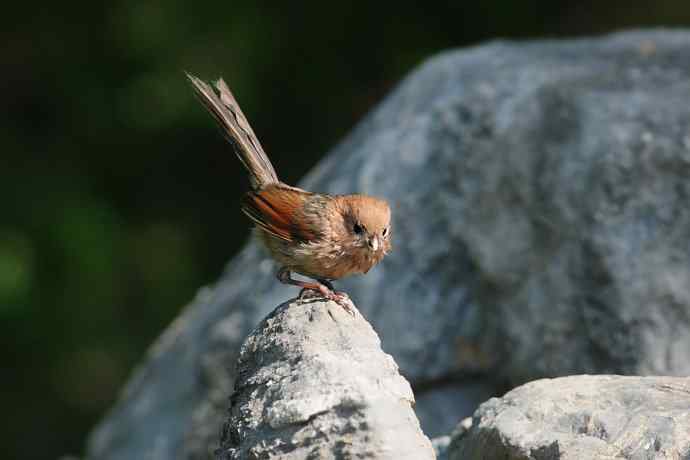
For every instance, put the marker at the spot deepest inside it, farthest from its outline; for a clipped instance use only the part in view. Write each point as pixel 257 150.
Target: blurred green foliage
pixel 118 197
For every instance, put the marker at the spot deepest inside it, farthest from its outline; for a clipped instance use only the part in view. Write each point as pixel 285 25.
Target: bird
pixel 320 236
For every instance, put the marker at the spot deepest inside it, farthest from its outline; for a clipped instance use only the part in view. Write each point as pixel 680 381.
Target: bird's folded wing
pixel 278 211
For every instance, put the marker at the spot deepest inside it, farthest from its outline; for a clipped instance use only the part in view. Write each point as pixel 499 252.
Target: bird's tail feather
pixel 224 108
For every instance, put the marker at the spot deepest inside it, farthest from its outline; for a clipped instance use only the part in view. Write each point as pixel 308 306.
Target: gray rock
pixel 442 443
pixel 582 417
pixel 541 228
pixel 440 446
pixel 313 382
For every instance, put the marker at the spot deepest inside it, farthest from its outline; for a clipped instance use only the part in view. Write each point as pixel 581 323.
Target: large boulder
pixel 313 382
pixel 541 227
pixel 580 418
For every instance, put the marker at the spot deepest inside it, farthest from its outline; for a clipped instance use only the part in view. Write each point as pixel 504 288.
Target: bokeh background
pixel 118 196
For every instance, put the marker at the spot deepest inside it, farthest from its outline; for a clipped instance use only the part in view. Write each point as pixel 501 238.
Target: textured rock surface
pixel 582 417
pixel 541 228
pixel 313 382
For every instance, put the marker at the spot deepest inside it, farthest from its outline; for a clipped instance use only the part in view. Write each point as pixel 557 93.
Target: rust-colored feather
pixel 278 210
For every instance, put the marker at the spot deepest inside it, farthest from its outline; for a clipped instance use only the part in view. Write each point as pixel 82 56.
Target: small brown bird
pixel 324 237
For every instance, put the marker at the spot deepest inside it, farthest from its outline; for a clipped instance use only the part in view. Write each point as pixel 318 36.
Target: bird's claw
pixel 339 297
pixel 308 294
pixel 342 299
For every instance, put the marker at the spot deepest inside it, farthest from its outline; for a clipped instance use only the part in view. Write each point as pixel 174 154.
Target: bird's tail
pixel 224 108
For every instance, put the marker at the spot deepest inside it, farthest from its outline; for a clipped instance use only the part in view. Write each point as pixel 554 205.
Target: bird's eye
pixel 358 229
pixel 385 232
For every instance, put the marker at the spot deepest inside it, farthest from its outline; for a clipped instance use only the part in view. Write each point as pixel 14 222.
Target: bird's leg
pixel 285 278
pixel 329 285
pixel 326 283
pixel 323 287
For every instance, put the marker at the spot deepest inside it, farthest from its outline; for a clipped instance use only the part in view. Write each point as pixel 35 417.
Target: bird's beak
pixel 374 243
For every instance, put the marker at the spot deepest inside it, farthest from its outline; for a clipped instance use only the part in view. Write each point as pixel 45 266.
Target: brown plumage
pixel 324 237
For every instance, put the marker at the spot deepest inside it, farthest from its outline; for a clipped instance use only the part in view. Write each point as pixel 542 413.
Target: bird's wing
pixel 278 210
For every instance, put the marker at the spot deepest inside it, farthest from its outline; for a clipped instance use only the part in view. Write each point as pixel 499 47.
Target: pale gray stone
pixel 580 418
pixel 313 382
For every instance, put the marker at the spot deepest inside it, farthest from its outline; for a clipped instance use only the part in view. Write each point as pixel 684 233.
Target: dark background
pixel 118 196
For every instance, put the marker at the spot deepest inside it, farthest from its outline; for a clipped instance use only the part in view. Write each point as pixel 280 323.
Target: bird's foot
pixel 309 294
pixel 342 299
pixel 323 292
